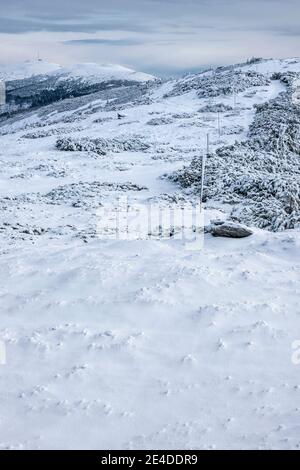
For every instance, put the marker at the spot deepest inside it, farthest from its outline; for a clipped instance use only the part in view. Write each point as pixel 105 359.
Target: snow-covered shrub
pixel 160 121
pixel 219 83
pixel 86 194
pixel 183 115
pixel 259 177
pixel 103 120
pixel 232 130
pixel 38 134
pixel 276 127
pixel 101 146
pixel 215 108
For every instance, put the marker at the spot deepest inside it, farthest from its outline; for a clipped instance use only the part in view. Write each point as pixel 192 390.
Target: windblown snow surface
pixel 27 69
pixel 142 344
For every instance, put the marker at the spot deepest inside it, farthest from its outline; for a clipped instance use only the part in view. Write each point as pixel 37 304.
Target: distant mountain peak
pixel 27 69
pixel 91 72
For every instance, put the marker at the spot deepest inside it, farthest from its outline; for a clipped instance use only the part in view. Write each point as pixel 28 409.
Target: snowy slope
pixel 93 73
pixel 139 344
pixel 269 66
pixel 27 69
pixel 39 87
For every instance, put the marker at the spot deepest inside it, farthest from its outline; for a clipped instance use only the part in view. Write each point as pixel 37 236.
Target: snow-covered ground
pixel 104 72
pixel 139 344
pixel 86 71
pixel 27 69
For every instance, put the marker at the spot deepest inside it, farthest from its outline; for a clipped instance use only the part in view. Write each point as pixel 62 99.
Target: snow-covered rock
pixel 230 230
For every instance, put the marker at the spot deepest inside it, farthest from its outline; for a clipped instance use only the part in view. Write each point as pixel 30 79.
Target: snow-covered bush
pixel 38 134
pixel 259 177
pixel 232 130
pixel 219 83
pixel 101 146
pixel 86 194
pixel 276 127
pixel 183 115
pixel 215 108
pixel 160 121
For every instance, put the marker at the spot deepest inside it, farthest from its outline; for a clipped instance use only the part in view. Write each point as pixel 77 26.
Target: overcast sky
pixel 165 37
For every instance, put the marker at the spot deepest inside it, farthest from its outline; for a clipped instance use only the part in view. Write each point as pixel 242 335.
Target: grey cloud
pixel 145 15
pixel 19 26
pixel 175 34
pixel 292 31
pixel 106 42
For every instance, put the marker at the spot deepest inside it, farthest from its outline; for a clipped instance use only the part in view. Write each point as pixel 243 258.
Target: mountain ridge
pixel 85 70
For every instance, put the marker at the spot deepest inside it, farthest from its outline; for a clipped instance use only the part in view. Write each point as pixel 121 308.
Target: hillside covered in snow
pixel 142 343
pixel 27 69
pixel 38 83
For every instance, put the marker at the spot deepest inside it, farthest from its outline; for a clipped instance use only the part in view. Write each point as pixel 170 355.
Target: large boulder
pixel 230 230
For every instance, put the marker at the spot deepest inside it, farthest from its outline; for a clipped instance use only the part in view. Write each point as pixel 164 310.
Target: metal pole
pixel 203 171
pixel 208 145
